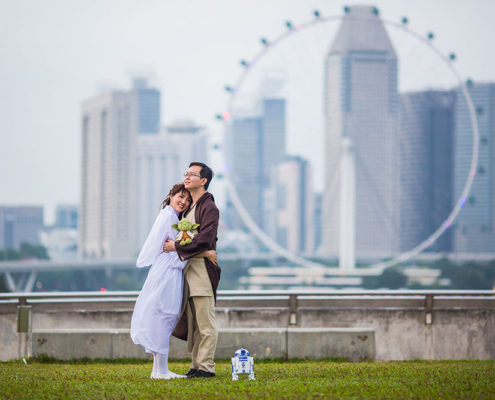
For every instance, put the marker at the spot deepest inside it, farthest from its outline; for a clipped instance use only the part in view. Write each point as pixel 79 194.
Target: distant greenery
pixel 27 250
pixel 72 280
pixel 469 275
pixel 472 275
pixel 124 281
pixel 92 280
pixel 231 272
pixel 274 380
pixel 391 278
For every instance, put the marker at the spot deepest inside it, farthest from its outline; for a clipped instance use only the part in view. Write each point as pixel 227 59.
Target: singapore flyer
pixel 295 52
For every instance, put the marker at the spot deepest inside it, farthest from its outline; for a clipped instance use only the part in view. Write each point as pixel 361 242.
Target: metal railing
pixel 250 293
pixel 291 299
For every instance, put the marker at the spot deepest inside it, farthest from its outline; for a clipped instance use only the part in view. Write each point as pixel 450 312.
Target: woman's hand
pixel 211 255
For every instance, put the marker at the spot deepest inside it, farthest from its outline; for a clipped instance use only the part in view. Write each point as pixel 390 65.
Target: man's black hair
pixel 206 172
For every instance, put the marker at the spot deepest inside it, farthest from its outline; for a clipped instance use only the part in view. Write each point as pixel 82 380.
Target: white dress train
pixel 158 305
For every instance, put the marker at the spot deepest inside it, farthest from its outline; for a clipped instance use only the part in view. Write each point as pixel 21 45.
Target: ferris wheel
pixel 292 31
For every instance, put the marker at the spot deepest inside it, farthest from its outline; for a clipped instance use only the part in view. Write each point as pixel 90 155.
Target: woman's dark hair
pixel 206 172
pixel 177 188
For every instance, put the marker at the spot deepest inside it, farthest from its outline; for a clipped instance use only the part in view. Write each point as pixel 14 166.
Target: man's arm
pixel 204 240
pixel 211 255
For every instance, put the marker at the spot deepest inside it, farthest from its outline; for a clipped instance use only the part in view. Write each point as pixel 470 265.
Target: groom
pixel 197 323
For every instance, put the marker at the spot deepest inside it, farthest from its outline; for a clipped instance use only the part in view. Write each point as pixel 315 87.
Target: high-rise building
pixel 107 208
pixel 272 135
pixel 293 205
pixel 474 229
pixel 255 143
pixel 426 131
pixel 244 159
pixel 361 111
pixel 66 216
pixel 111 123
pixel 148 107
pixel 161 162
pixel 20 224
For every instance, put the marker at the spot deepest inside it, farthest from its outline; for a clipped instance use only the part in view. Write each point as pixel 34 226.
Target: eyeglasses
pixel 189 174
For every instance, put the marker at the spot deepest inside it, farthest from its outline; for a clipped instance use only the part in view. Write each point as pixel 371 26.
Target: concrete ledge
pixel 9 338
pixel 463 327
pixel 67 344
pixel 261 343
pixel 354 344
pixel 315 343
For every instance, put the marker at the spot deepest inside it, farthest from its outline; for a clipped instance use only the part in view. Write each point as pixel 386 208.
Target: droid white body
pixel 242 363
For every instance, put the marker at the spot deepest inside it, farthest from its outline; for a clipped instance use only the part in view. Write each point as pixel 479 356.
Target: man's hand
pixel 168 246
pixel 212 256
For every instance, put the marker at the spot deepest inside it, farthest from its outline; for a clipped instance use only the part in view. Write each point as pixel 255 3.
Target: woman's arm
pixel 210 255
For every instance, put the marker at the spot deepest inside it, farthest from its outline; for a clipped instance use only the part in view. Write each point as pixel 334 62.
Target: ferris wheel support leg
pixel 347 235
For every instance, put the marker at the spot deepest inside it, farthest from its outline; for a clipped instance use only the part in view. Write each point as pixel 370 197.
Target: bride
pixel 158 305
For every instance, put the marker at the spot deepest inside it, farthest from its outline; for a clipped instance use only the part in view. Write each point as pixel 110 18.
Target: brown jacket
pixel 206 216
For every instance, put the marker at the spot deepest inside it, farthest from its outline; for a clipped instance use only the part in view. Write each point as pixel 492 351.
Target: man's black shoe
pixel 191 372
pixel 202 374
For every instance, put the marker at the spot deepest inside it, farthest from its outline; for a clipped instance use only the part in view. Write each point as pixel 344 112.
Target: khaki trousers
pixel 202 332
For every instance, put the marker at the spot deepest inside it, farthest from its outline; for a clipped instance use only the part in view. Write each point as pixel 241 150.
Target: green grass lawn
pixel 274 380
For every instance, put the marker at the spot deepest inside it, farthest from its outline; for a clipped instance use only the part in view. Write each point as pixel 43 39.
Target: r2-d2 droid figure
pixel 242 363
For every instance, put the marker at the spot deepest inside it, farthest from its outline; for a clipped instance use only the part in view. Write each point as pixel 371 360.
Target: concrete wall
pixel 352 344
pixel 9 338
pixel 357 329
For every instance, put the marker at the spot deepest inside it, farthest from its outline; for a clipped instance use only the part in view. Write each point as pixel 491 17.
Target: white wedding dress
pixel 158 306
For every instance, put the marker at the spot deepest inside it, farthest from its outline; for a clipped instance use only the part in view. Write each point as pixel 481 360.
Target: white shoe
pixel 168 375
pixel 153 375
pixel 177 376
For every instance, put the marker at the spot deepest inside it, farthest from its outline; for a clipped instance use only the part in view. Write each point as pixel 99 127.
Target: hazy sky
pixel 56 53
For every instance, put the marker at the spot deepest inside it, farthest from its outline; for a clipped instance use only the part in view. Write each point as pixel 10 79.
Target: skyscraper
pixel 108 185
pixel 66 216
pixel 20 224
pixel 474 230
pixel 361 111
pixel 426 131
pixel 110 125
pixel 148 107
pixel 272 135
pixel 255 143
pixel 293 205
pixel 161 162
